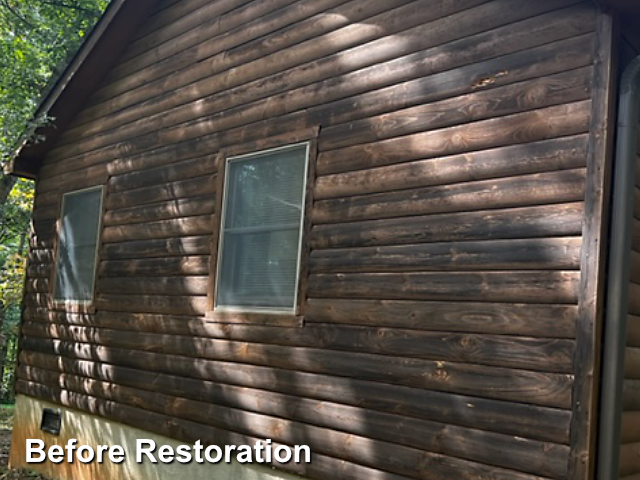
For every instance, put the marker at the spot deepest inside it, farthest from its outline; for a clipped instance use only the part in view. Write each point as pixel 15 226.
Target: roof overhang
pixel 81 77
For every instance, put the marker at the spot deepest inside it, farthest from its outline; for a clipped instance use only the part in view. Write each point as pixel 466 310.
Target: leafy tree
pixel 37 39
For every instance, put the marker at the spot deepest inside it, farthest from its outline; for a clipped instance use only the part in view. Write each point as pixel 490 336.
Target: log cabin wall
pixel 440 319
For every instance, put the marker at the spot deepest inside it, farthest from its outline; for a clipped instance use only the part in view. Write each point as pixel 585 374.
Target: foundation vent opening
pixel 51 421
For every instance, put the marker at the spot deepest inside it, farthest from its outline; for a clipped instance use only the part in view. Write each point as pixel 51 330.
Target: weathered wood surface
pixel 525 320
pixel 513 223
pixel 633 332
pixel 524 190
pixel 161 248
pixel 249 387
pixel 574 24
pixel 630 424
pixel 438 333
pixel 180 208
pixel 517 286
pixel 629 458
pixel 382 25
pixel 415 463
pixel 514 352
pixel 536 157
pixel 561 253
pixel 427 436
pixel 177 227
pixel 537 388
pixel 507 319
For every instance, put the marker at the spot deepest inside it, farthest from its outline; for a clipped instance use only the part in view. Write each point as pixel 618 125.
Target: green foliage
pixel 37 38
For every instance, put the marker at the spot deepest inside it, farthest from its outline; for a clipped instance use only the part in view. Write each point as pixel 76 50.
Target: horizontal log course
pixel 161 229
pixel 173 172
pixel 631 395
pixel 295 18
pixel 517 287
pixel 190 188
pixel 39 270
pixel 635 265
pixel 378 102
pixel 319 36
pixel 37 285
pixel 634 299
pixel 551 355
pixel 41 255
pixel 154 285
pixel 631 477
pixel 630 425
pixel 169 18
pixel 41 243
pixel 437 33
pixel 209 21
pixel 149 267
pixel 38 300
pixel 547 155
pixel 44 229
pixel 414 462
pixel 636 202
pixel 179 208
pixel 490 415
pixel 525 320
pixel 524 190
pixel 536 388
pixel 492 318
pixel 632 363
pixel 513 223
pixel 432 437
pixel 633 331
pixel 629 459
pixel 46 212
pixel 161 170
pixel 169 247
pixel 525 127
pixel 183 430
pixel 563 87
pixel 172 305
pixel 425 89
pixel 561 253
pixel 635 239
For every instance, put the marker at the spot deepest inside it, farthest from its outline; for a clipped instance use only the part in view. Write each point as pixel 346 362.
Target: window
pixel 77 246
pixel 261 230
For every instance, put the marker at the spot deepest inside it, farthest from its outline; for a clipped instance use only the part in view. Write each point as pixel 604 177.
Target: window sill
pixel 253 318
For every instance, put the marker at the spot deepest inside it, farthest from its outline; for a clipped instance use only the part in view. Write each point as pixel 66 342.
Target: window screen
pixel 261 230
pixel 77 245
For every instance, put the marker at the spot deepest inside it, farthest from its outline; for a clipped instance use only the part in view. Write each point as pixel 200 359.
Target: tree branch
pixel 16 14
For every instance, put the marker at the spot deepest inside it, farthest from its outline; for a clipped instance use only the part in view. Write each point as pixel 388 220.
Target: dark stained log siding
pixel 445 234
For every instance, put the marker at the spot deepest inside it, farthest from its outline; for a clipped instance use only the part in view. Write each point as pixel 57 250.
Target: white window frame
pixel 69 301
pixel 252 309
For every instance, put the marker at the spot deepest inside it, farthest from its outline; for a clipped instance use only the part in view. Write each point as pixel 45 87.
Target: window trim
pixel 77 306
pixel 289 319
pixel 301 230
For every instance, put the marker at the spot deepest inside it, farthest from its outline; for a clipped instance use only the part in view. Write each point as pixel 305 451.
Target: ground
pixel 6 424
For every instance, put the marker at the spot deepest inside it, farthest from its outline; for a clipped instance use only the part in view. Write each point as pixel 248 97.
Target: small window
pixel 261 230
pixel 77 246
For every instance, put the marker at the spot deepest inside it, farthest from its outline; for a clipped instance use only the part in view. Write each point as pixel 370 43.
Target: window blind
pixel 260 235
pixel 77 244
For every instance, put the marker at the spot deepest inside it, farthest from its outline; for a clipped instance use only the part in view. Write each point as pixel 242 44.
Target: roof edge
pixel 80 78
